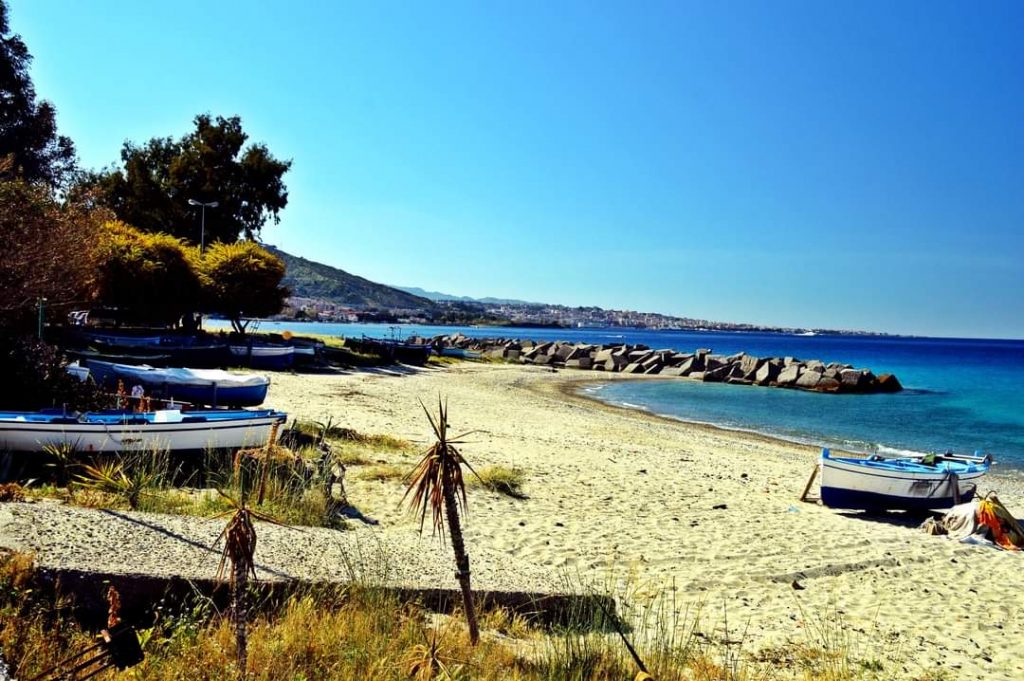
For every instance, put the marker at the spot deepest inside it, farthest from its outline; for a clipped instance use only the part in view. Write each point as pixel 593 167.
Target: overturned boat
pixel 213 387
pixel 909 483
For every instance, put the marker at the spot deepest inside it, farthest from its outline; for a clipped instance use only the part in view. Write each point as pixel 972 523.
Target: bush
pixel 35 378
pixel 150 278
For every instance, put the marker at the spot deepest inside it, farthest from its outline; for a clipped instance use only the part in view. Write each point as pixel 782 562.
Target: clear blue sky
pixel 791 163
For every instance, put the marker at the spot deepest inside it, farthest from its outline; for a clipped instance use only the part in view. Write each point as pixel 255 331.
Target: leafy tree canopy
pixel 152 278
pixel 28 128
pixel 211 163
pixel 243 280
pixel 49 251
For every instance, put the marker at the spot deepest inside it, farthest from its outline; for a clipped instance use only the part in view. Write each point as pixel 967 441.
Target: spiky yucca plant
pixel 437 485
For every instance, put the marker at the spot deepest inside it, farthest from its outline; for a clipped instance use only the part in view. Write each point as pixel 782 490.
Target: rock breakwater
pixel 700 365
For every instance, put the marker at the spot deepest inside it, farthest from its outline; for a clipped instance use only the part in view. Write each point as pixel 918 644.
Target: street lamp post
pixel 202 220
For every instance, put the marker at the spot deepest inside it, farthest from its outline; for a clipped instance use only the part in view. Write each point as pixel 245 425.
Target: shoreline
pixel 572 385
pixel 570 391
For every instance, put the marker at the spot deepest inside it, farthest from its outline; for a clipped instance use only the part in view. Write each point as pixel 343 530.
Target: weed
pixel 383 472
pixel 503 480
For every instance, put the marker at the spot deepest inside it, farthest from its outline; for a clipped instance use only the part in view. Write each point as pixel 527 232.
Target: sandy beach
pixel 618 495
pixel 643 505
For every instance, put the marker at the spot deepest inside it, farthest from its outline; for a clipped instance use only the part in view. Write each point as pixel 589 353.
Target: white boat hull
pixel 855 486
pixel 98 437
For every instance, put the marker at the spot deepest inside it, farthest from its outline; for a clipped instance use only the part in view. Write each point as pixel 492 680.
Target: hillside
pixel 438 296
pixel 308 279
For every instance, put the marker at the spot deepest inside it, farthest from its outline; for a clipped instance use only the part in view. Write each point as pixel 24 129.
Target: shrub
pixel 35 378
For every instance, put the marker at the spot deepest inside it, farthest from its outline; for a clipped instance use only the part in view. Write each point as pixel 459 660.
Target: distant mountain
pixel 308 279
pixel 442 297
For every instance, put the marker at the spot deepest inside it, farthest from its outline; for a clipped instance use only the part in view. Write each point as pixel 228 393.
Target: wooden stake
pixel 810 481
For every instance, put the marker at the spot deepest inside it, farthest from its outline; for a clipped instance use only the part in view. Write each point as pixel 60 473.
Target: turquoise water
pixel 963 395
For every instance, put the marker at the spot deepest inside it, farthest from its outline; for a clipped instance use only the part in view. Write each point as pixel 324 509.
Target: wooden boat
pixel 407 353
pixel 117 431
pixel 912 483
pixel 197 386
pixel 257 356
pixel 122 339
pixel 89 355
pixel 205 355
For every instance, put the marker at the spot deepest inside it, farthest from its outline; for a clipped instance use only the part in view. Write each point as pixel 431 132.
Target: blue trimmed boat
pixel 907 483
pixel 116 431
pixel 197 386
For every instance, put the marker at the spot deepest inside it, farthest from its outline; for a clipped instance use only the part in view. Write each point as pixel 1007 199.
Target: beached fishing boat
pixel 116 431
pixel 191 354
pixel 912 483
pixel 197 386
pixel 273 357
pixel 407 353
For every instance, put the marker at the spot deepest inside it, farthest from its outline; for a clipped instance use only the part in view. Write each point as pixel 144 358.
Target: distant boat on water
pixel 117 431
pixel 910 483
pixel 213 387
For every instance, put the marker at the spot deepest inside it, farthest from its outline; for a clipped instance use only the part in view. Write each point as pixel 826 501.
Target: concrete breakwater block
pixel 740 369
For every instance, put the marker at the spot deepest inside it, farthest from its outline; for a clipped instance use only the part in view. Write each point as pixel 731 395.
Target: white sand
pixel 613 491
pixel 618 496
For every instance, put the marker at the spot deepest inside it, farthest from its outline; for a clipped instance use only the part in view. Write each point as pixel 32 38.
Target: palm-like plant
pixel 437 485
pixel 113 477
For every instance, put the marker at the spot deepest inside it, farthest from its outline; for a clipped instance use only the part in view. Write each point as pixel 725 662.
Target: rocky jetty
pixel 700 365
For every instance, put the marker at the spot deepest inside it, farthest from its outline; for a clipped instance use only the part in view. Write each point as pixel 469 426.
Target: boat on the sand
pixel 416 354
pixel 259 356
pixel 213 387
pixel 908 483
pixel 117 430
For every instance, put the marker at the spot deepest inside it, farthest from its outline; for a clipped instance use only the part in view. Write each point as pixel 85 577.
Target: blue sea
pixel 961 395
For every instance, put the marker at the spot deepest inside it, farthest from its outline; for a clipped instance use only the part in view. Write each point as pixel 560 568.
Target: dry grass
pixel 360 632
pixel 501 479
pixel 384 471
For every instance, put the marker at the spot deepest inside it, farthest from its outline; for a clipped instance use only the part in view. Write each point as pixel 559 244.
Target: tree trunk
pixel 461 561
pixel 241 617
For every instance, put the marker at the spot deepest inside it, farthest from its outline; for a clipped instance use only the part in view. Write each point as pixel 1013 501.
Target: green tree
pixel 242 280
pixel 28 128
pixel 151 278
pixel 158 179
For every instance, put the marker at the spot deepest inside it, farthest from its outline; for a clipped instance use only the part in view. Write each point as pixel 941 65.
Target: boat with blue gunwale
pixel 118 430
pixel 907 483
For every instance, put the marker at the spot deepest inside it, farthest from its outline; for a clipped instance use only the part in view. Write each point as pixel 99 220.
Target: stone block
pixel 789 375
